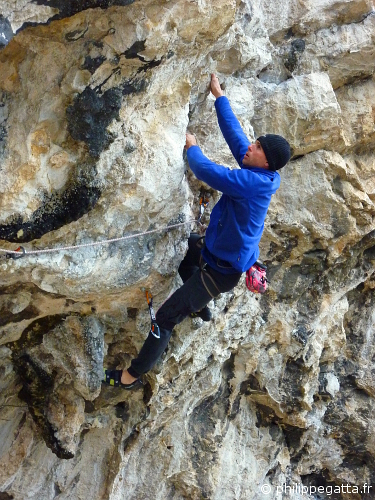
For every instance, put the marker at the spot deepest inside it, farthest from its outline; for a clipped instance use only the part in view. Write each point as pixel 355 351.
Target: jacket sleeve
pixel 234 183
pixel 231 129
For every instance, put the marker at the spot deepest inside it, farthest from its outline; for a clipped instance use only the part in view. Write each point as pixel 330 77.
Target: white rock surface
pixel 279 389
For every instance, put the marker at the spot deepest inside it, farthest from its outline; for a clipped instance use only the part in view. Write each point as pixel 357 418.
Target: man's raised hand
pixel 215 86
pixel 190 141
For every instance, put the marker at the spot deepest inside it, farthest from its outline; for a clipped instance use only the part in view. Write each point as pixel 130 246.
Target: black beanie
pixel 276 149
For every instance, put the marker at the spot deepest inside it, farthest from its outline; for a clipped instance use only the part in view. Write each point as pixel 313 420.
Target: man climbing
pixel 215 263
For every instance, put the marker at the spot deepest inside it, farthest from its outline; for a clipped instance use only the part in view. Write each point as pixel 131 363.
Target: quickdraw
pixel 256 280
pixel 203 202
pixel 14 256
pixel 155 330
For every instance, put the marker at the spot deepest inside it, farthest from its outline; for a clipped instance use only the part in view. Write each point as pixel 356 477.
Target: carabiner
pixel 203 202
pixel 149 298
pixel 14 256
pixel 154 330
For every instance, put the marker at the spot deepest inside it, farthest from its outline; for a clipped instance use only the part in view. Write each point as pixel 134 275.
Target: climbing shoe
pixel 113 378
pixel 204 314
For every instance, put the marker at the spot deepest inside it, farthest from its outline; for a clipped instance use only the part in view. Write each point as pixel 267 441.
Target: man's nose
pixel 250 148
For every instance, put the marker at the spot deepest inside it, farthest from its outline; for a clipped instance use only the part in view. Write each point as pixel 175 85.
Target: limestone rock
pixel 344 51
pixel 95 100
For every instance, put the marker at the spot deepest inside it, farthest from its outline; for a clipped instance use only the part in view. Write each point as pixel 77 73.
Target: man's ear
pixel 266 165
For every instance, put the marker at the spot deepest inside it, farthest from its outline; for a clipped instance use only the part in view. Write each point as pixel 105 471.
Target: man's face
pixel 255 156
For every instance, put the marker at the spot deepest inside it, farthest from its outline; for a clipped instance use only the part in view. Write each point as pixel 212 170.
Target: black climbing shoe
pixel 204 314
pixel 113 378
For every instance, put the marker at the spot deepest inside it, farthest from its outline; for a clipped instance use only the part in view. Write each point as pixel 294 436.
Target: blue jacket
pixel 237 220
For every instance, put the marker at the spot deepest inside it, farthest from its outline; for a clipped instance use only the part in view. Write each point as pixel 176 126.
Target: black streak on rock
pixel 266 417
pixel 92 63
pixel 133 86
pixel 33 334
pixel 147 394
pixel 72 36
pixel 3 123
pixel 89 116
pixel 296 49
pixel 57 211
pixel 314 262
pixel 149 65
pixel 291 383
pixel 321 479
pixel 132 52
pixel 37 383
pixel 281 252
pixel 250 385
pixel 89 407
pixel 132 312
pixel 302 333
pixel 9 296
pixel 289 34
pixel 293 438
pixel 92 111
pixel 57 489
pixel 3 135
pixel 122 411
pixel 5 496
pixel 68 8
pixel 7 317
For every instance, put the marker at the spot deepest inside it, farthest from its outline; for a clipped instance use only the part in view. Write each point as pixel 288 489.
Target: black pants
pixel 200 286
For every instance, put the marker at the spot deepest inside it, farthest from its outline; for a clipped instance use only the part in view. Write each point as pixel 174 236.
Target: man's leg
pixel 153 348
pixel 191 296
pixel 190 263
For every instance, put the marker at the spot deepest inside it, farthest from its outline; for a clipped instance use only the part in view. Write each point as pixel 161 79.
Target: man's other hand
pixel 215 86
pixel 190 141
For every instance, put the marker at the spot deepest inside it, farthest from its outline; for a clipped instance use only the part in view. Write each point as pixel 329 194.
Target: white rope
pixel 97 243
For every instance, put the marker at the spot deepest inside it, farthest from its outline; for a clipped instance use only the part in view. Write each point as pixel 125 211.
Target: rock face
pixel 277 391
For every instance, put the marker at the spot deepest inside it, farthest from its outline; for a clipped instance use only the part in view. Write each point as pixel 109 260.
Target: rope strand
pixel 98 243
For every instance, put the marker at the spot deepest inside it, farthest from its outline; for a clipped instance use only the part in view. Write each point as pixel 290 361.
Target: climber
pixel 215 263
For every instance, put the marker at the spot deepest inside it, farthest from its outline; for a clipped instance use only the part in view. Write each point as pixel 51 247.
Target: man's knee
pixel 168 317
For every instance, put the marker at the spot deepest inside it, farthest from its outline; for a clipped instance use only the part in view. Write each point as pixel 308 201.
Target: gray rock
pixel 277 389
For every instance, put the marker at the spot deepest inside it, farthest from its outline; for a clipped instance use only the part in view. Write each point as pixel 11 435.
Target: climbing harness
pixel 155 330
pixel 18 253
pixel 256 280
